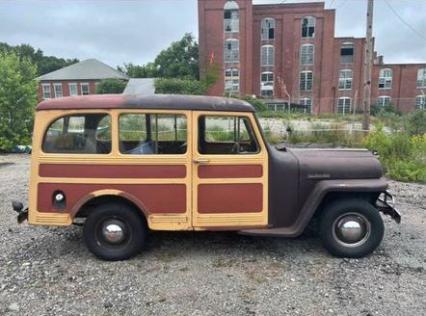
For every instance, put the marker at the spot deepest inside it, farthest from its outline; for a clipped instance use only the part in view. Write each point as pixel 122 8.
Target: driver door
pixel 230 172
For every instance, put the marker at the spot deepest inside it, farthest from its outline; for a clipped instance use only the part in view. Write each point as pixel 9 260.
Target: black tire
pixel 347 209
pixel 131 224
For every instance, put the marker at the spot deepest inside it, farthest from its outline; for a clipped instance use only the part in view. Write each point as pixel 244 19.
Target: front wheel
pixel 351 228
pixel 114 231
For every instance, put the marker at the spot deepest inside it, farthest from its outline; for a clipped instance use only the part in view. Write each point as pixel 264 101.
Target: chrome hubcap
pixel 113 231
pixel 351 229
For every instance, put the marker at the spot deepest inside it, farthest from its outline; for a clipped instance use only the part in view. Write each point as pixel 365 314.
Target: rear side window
pixel 79 134
pixel 152 134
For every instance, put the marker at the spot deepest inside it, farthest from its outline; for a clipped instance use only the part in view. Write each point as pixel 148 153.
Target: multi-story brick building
pixel 287 53
pixel 77 79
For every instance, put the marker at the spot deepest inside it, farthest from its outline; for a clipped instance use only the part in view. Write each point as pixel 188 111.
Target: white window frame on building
pixel 232 51
pixel 46 90
pixel 347 52
pixel 385 78
pixel 421 78
pixel 73 89
pixel 308 27
pixel 84 84
pixel 306 80
pixel 344 105
pixel 267 32
pixel 232 81
pixel 421 102
pixel 307 54
pixel 307 104
pixel 345 79
pixel 384 100
pixel 58 90
pixel 267 55
pixel 231 17
pixel 267 84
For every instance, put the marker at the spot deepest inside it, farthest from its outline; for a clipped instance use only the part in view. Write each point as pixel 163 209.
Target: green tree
pixel 18 97
pixel 137 71
pixel 110 86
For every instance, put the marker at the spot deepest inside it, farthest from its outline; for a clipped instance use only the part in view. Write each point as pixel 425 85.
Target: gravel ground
pixel 48 271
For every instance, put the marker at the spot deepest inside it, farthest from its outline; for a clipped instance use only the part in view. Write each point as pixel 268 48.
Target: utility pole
pixel 368 65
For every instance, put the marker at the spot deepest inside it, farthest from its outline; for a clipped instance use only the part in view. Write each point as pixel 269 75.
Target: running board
pixel 270 232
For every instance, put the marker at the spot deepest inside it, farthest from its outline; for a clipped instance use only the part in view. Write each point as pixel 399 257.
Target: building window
pixel 84 88
pixel 383 100
pixel 307 54
pixel 344 105
pixel 232 50
pixel 232 81
pixel 306 103
pixel 73 89
pixel 308 26
pixel 421 78
pixel 306 81
pixel 345 79
pixel 347 53
pixel 46 90
pixel 421 102
pixel 268 29
pixel 385 78
pixel 231 17
pixel 58 90
pixel 267 84
pixel 267 55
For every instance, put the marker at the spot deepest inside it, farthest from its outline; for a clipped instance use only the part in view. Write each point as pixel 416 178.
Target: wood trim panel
pixel 230 171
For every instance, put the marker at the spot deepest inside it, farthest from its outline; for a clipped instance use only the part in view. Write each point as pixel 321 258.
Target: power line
pixel 403 21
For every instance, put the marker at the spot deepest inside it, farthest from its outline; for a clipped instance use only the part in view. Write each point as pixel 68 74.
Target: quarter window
pixel 308 27
pixel 58 90
pixel 385 78
pixel 421 78
pixel 347 53
pixel 267 58
pixel 152 134
pixel 306 81
pixel 345 79
pixel 226 135
pixel 268 29
pixel 307 54
pixel 46 91
pixel 79 134
pixel 344 105
pixel 232 50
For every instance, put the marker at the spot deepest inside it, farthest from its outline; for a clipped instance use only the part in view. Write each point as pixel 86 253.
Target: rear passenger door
pixel 230 170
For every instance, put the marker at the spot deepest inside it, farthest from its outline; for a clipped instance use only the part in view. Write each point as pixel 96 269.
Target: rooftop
pixel 89 69
pixel 120 101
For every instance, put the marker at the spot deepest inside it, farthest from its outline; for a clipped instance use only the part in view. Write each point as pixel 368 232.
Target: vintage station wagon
pixel 123 165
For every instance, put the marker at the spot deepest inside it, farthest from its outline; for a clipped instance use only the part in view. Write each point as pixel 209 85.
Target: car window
pixel 155 134
pixel 79 134
pixel 226 135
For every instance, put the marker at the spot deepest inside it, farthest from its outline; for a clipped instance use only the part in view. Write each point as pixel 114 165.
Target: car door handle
pixel 201 161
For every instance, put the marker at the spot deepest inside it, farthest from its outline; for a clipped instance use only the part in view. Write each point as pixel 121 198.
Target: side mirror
pixel 17 206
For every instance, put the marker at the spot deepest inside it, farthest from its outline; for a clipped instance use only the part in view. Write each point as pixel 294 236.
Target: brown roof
pixel 178 102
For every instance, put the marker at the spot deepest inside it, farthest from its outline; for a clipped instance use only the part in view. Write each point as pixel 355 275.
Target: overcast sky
pixel 116 32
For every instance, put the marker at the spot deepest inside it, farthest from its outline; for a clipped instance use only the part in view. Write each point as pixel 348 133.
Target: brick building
pixel 77 79
pixel 288 53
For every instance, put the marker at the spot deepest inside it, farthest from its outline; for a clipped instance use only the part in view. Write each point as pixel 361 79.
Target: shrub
pixel 180 86
pixel 259 105
pixel 110 86
pixel 415 123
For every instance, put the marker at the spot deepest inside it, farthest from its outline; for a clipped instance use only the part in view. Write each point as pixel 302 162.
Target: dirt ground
pixel 48 271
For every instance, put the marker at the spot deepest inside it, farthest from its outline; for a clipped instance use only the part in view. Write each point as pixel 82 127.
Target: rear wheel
pixel 114 231
pixel 351 228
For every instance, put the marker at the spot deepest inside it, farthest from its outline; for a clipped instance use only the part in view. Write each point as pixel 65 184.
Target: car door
pixel 230 172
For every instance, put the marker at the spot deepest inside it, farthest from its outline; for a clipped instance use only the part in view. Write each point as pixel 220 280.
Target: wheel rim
pixel 112 232
pixel 351 229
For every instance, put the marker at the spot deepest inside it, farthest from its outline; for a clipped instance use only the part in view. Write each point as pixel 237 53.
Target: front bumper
pixel 386 204
pixel 22 213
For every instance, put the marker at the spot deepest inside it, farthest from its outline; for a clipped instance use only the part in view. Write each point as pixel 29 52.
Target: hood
pixel 321 164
